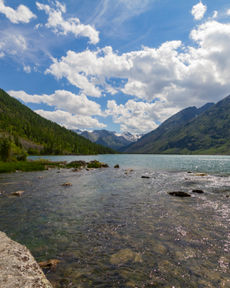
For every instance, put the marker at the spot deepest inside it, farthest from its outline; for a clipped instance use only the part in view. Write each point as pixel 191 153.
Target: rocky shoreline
pixel 18 268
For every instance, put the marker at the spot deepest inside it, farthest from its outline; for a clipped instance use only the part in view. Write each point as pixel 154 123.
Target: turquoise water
pixel 112 228
pixel 214 164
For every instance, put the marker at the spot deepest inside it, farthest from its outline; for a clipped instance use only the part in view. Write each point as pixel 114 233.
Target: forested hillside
pixel 26 129
pixel 191 131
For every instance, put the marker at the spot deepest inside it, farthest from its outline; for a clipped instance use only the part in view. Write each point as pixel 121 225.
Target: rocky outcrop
pixel 18 267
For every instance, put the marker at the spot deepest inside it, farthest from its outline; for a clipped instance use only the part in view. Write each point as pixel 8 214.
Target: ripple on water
pixel 110 229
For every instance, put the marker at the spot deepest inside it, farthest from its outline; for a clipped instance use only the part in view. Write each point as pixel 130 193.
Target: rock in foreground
pixel 18 268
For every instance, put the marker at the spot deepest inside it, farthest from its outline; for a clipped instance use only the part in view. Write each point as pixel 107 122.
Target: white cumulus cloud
pixel 71 121
pixel 173 75
pixel 198 11
pixel 22 14
pixel 70 25
pixel 137 117
pixel 62 99
pixel 71 111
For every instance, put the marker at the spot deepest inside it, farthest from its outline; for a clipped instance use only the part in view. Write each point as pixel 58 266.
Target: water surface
pixel 112 228
pixel 204 163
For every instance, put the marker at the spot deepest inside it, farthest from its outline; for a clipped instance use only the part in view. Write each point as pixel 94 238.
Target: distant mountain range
pixel 34 134
pixel 110 139
pixel 191 131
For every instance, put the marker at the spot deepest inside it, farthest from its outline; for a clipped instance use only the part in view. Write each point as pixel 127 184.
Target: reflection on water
pixel 112 229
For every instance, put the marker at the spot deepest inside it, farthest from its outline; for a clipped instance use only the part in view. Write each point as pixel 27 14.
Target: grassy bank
pixel 26 166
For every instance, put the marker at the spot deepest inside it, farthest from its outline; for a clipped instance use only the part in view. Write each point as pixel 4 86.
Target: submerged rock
pixel 127 171
pixel 67 184
pixel 201 174
pixel 117 166
pixel 179 194
pixel 225 283
pixel 124 256
pixel 18 193
pixel 18 266
pixel 198 191
pixel 49 264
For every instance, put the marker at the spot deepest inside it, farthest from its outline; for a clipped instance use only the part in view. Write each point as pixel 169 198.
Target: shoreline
pixel 41 165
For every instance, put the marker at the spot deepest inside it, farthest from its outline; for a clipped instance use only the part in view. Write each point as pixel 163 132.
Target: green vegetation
pixel 82 164
pixel 30 133
pixel 26 166
pixel 76 164
pixel 96 164
pixel 189 132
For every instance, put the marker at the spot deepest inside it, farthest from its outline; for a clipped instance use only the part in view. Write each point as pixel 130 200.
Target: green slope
pixel 24 125
pixel 191 131
pixel 207 134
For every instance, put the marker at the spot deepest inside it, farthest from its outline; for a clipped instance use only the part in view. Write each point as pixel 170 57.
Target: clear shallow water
pixel 112 229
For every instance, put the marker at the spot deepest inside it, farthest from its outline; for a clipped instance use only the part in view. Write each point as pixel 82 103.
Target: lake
pixel 112 228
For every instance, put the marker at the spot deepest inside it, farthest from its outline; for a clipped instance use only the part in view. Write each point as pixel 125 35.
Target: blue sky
pixel 123 65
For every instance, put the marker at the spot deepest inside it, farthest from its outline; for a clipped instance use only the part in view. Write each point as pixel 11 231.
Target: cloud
pixel 198 11
pixel 27 69
pixel 165 73
pixel 71 121
pixel 228 12
pixel 63 100
pixel 13 44
pixel 71 111
pixel 21 14
pixel 172 75
pixel 137 117
pixel 215 14
pixel 71 25
pixel 113 13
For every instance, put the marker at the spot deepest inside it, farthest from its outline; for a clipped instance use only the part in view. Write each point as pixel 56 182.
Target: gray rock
pixel 198 191
pixel 18 268
pixel 179 194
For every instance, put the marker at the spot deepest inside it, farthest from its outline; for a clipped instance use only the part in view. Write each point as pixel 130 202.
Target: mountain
pixel 36 134
pixel 189 131
pixel 109 139
pixel 130 137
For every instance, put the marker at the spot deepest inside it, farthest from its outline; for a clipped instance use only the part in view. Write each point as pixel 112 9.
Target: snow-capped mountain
pixel 110 139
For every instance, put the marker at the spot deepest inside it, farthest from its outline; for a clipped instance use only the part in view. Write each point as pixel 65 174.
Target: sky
pixel 120 65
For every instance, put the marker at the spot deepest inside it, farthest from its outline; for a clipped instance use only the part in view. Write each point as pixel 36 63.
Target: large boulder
pixel 18 267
